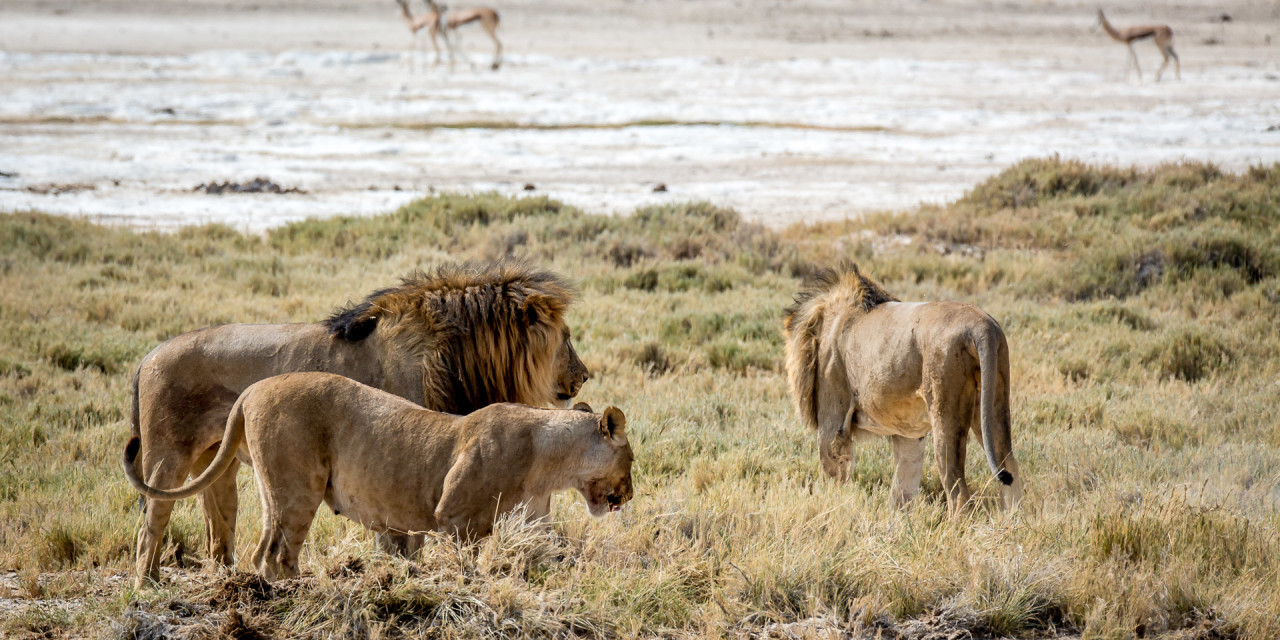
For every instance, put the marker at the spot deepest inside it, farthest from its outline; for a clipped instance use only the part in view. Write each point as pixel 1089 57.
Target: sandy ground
pixel 787 111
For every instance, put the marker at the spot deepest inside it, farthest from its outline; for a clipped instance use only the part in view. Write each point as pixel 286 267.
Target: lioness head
pixel 570 372
pixel 608 486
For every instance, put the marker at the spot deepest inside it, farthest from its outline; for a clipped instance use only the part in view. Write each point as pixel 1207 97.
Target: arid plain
pixel 786 111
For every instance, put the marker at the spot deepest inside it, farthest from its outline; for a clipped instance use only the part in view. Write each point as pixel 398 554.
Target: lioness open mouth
pixel 564 396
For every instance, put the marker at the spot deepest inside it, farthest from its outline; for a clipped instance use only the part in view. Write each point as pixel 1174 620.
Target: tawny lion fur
pixel 455 340
pixel 861 363
pixel 393 466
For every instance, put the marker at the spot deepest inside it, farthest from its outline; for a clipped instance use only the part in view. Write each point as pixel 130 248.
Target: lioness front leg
pixel 908 461
pixel 466 508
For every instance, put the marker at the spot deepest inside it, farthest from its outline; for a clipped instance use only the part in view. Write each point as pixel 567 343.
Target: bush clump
pixel 1189 354
pixel 1037 180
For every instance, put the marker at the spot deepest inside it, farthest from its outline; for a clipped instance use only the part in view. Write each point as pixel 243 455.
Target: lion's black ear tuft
pixel 1005 477
pixel 352 324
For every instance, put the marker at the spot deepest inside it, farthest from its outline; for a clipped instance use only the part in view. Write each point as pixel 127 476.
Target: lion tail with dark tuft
pixel 997 443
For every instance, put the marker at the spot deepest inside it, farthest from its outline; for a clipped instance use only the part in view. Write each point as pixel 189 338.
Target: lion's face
pixel 570 372
pixel 609 487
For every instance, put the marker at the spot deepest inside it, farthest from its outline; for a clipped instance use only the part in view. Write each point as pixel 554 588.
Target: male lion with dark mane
pixel 463 337
pixel 393 466
pixel 861 363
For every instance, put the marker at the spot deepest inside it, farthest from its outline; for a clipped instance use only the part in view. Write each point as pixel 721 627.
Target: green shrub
pixel 1035 180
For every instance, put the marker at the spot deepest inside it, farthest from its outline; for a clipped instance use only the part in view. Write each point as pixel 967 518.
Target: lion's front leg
pixel 834 453
pixel 835 443
pixel 908 462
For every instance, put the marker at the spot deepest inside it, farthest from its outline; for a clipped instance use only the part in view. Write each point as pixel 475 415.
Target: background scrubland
pixel 1141 307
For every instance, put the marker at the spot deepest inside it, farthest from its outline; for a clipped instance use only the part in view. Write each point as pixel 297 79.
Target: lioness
pixel 393 466
pixel 455 340
pixel 860 363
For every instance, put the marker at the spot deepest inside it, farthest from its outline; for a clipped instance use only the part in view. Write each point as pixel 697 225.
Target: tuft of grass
pixel 736 356
pixel 680 277
pixel 1189 354
pixel 16 369
pixel 108 358
pixel 61 547
pixel 653 359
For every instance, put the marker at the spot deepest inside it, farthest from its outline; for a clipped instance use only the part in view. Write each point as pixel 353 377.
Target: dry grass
pixel 1141 308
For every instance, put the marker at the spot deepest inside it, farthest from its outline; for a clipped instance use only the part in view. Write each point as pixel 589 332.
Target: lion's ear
pixel 541 309
pixel 353 324
pixel 582 406
pixel 612 423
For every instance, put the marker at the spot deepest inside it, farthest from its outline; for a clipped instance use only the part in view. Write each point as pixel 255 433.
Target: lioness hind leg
pixel 276 555
pixel 285 523
pixel 219 503
pixel 291 490
pixel 908 460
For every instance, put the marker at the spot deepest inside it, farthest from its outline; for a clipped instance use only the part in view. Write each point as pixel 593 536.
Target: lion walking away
pixel 454 340
pixel 862 363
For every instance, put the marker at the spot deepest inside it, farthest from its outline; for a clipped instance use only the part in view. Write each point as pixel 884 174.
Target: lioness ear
pixel 582 406
pixel 612 423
